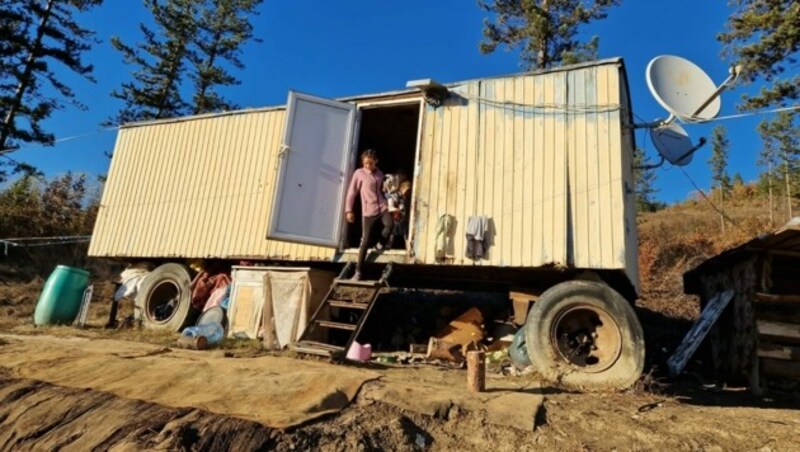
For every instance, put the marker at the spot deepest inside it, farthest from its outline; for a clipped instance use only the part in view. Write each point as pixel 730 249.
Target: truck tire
pixel 164 301
pixel 584 335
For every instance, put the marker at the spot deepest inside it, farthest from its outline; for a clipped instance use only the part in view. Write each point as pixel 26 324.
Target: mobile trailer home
pixel 545 157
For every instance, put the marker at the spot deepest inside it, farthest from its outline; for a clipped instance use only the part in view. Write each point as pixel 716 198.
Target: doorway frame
pixel 408 252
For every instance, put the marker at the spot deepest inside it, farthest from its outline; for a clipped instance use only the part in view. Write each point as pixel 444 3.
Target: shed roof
pixel 382 95
pixel 784 240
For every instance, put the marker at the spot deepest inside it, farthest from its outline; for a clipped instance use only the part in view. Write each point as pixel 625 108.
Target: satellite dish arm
pixel 649 167
pixel 700 143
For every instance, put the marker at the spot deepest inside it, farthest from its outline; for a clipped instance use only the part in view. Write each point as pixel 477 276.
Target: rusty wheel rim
pixel 586 337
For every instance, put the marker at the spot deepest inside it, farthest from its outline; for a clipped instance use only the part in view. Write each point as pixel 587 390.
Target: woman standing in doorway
pixel 367 182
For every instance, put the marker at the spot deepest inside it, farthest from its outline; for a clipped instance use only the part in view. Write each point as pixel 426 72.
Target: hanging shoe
pixel 356 276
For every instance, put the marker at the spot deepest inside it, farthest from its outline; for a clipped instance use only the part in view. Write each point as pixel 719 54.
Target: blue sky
pixel 339 48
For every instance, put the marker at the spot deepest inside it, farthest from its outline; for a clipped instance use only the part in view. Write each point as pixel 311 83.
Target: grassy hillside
pixel 676 239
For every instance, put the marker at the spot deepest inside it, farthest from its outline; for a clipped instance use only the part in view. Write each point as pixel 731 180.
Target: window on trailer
pixel 392 132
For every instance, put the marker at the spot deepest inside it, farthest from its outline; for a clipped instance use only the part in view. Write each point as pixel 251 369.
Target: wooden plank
pixel 775 298
pixel 348 304
pixel 778 351
pixel 779 330
pixel 698 332
pixel 780 368
pixel 785 313
pixel 336 325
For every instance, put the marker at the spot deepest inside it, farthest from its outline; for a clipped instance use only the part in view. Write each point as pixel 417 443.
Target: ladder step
pixel 311 351
pixel 347 304
pixel 336 325
pixel 348 282
pixel 322 345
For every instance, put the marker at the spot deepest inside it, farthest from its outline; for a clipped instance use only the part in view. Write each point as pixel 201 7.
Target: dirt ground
pixel 659 414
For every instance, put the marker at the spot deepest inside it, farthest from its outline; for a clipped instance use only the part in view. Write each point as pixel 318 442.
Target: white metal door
pixel 312 177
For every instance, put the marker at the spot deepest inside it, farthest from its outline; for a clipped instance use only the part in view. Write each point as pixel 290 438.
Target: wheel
pixel 584 335
pixel 164 301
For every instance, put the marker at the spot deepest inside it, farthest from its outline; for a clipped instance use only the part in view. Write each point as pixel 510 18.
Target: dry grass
pixel 675 240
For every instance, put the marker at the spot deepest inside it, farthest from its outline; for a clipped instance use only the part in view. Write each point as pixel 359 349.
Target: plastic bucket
pixel 61 297
pixel 359 352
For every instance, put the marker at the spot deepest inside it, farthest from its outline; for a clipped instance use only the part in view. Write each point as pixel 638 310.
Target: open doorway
pixel 392 131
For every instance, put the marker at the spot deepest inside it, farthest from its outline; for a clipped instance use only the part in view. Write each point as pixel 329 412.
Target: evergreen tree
pixel 545 30
pixel 35 34
pixel 154 92
pixel 781 138
pixel 20 208
pixel 223 26
pixel 644 179
pixel 764 37
pixel 719 167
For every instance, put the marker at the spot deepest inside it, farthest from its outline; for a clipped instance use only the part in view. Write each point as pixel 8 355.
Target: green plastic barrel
pixel 62 295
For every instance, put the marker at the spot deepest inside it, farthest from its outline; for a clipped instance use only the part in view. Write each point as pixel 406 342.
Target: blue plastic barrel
pixel 61 297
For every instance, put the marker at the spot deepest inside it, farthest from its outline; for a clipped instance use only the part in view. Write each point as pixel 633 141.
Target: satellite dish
pixel 682 88
pixel 674 144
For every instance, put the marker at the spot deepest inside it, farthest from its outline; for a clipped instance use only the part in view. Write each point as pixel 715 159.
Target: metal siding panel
pixel 246 187
pixel 540 155
pixel 422 174
pixel 548 207
pixel 100 238
pixel 591 248
pixel 195 188
pixel 122 202
pixel 559 194
pixel 445 171
pixel 141 198
pixel 517 165
pixel 615 255
pixel 527 177
pixel 266 139
pixel 609 129
pixel 451 176
pixel 506 171
pixel 494 91
pixel 495 176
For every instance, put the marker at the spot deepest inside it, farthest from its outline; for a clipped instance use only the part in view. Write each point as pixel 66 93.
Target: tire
pixel 518 350
pixel 169 283
pixel 584 335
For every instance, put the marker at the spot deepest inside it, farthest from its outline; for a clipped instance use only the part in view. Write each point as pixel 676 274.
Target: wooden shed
pixel 545 156
pixel 756 340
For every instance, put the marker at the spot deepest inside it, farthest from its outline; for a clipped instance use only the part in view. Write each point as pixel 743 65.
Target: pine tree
pixel 764 37
pixel 781 138
pixel 35 35
pixel 545 30
pixel 719 167
pixel 644 179
pixel 768 159
pixel 154 92
pixel 223 26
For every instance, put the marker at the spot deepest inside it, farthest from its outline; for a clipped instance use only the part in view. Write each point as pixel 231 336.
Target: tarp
pixel 286 311
pixel 278 392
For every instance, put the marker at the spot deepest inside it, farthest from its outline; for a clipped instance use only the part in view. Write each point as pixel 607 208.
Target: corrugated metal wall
pixel 195 188
pixel 542 156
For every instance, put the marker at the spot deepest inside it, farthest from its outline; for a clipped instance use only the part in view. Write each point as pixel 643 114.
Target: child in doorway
pixel 366 182
pixel 395 188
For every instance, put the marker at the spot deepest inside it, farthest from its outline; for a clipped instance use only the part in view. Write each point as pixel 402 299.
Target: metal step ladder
pixel 352 314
